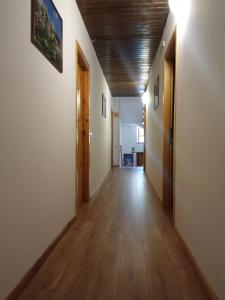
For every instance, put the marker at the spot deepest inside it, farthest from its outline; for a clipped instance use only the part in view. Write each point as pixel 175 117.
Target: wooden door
pixel 112 116
pixel 171 132
pixel 144 158
pixel 115 141
pixel 140 159
pixel 82 125
pixel 169 121
pixel 80 137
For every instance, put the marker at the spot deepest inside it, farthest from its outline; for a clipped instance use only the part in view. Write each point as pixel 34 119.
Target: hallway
pixel 122 246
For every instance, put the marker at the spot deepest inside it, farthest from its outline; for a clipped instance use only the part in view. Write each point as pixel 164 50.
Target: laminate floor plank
pixel 103 282
pixel 163 282
pixel 175 250
pixel 133 281
pixel 85 255
pixel 122 246
pixel 190 285
pixel 29 294
pixel 73 286
pixel 54 267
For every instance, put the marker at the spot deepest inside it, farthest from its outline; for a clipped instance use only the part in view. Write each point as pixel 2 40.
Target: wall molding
pixel 157 196
pixel 204 282
pixel 16 292
pixel 100 186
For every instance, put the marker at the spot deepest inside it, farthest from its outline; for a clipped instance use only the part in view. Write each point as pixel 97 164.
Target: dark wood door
pixel 140 159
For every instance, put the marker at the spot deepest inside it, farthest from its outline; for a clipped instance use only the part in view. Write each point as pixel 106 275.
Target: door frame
pixel 167 103
pixel 144 111
pixel 82 61
pixel 112 116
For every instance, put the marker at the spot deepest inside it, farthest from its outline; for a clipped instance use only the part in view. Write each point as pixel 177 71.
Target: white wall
pixel 199 142
pixel 37 129
pixel 129 138
pixel 131 109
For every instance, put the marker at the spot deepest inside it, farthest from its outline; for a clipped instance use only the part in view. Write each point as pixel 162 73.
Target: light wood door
pixel 112 116
pixel 80 135
pixel 82 127
pixel 169 123
pixel 171 131
pixel 115 141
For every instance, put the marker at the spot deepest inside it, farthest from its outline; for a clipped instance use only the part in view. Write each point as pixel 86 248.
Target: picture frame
pixel 47 31
pixel 103 105
pixel 156 93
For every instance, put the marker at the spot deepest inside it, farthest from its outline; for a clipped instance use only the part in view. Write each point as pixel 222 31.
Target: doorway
pixel 82 128
pixel 132 132
pixel 115 137
pixel 169 124
pixel 144 121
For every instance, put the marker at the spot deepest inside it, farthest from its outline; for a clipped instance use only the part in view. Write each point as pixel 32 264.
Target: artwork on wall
pixel 103 105
pixel 47 31
pixel 156 93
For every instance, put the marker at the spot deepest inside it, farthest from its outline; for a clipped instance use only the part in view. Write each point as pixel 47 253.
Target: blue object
pixel 128 160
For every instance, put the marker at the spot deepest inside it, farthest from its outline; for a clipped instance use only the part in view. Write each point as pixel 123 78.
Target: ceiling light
pixel 179 8
pixel 144 98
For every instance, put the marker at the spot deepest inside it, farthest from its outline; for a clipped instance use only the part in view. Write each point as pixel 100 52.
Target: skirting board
pixel 37 265
pixel 204 282
pixel 156 194
pixel 99 187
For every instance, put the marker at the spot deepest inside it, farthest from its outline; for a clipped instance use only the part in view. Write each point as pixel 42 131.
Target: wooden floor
pixel 122 246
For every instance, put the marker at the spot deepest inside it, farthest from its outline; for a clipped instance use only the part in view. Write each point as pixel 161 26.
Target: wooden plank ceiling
pixel 125 35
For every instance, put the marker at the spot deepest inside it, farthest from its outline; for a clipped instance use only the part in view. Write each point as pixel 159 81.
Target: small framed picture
pixel 47 31
pixel 103 105
pixel 156 93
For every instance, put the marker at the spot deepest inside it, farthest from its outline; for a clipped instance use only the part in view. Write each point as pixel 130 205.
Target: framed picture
pixel 156 93
pixel 103 105
pixel 47 31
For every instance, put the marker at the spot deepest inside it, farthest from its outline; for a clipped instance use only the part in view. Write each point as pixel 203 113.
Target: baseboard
pixel 37 265
pixel 99 187
pixel 157 196
pixel 204 282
